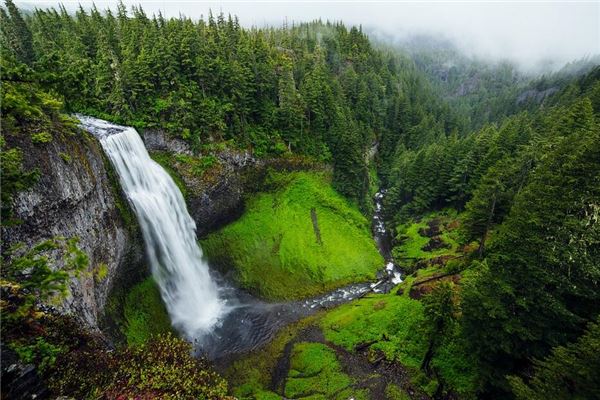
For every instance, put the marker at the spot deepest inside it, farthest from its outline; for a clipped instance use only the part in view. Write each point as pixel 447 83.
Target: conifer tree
pixel 17 34
pixel 542 283
pixel 569 372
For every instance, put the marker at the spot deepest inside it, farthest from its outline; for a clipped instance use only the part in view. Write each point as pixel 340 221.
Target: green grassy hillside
pixel 298 239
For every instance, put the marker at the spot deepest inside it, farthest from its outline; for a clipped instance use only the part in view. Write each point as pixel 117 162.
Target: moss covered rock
pixel 315 372
pixel 299 239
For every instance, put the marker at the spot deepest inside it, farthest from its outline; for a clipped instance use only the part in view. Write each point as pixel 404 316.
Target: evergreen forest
pixel 489 180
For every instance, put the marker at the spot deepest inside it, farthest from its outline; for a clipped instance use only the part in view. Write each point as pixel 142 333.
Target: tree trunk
pixel 427 359
pixel 313 217
pixel 487 227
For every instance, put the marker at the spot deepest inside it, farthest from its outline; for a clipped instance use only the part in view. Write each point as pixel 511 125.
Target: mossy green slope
pixel 145 313
pixel 297 240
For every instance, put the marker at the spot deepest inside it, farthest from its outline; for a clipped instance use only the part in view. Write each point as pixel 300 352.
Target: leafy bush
pixel 164 368
pixel 40 352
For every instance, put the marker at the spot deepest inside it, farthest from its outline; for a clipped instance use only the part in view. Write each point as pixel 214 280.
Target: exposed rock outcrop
pixel 77 195
pixel 20 380
pixel 157 140
pixel 468 86
pixel 216 197
pixel 536 96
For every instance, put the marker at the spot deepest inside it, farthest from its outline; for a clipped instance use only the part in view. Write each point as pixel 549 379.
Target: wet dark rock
pixel 20 381
pixel 157 140
pixel 423 287
pixel 364 345
pixel 211 202
pixel 240 175
pixel 470 85
pixel 432 229
pixel 215 204
pixel 417 292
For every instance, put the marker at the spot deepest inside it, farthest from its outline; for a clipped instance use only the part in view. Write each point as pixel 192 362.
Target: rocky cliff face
pixel 77 196
pixel 157 140
pixel 217 196
pixel 536 96
pixel 215 201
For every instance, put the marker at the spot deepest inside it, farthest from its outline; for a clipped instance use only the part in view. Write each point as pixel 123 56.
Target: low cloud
pixel 532 34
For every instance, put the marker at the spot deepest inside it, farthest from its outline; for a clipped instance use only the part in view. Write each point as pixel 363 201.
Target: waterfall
pixel 190 294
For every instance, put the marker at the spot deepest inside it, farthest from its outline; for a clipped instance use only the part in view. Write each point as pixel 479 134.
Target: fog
pixel 531 34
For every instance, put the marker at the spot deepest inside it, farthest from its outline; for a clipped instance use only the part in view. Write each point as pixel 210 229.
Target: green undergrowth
pixel 279 251
pixel 434 236
pixel 250 376
pixel 390 322
pixel 390 325
pixel 145 313
pixel 393 392
pixel 314 371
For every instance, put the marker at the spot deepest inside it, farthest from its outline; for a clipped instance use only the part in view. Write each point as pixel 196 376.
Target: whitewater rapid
pixel 187 288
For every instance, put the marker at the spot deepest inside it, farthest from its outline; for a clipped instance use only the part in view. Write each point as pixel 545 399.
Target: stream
pixel 253 322
pixel 221 321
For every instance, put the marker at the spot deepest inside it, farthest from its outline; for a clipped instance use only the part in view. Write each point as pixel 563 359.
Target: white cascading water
pixel 190 294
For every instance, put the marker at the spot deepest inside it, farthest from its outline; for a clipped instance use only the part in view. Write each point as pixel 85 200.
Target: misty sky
pixel 530 33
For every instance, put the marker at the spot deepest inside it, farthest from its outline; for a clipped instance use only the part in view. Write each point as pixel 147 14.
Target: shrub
pixel 40 352
pixel 41 137
pixel 163 368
